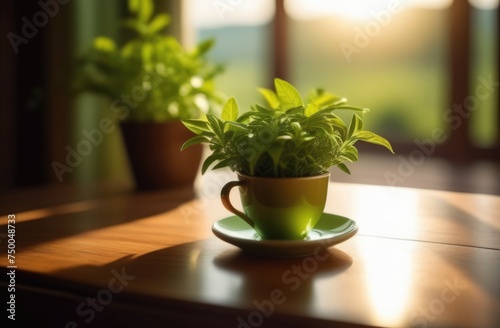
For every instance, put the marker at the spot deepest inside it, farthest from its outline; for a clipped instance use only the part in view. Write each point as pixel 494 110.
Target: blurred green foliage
pixel 151 74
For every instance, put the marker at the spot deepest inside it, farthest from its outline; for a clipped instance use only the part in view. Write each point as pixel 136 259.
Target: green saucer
pixel 331 229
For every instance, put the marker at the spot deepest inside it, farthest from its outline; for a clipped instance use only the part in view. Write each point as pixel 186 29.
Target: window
pixel 241 30
pixel 484 129
pixel 385 55
pixel 407 60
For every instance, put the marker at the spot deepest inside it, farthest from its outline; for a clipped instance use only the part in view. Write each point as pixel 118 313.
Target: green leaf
pixel 311 109
pixel 285 137
pixel 263 110
pixel 324 98
pixel 350 153
pixel 230 110
pixel 270 96
pixel 355 126
pixel 223 163
pixel 147 52
pixel 145 10
pixel 298 112
pixel 104 44
pixel 217 126
pixel 209 160
pixel 325 111
pixel 194 141
pixel 245 116
pixel 296 129
pixel 159 22
pixel 288 96
pixel 130 49
pixel 275 150
pixel 354 108
pixel 236 126
pixel 253 158
pixel 340 102
pixel 133 5
pixel 196 126
pixel 204 46
pixel 338 124
pixel 373 138
pixel 343 167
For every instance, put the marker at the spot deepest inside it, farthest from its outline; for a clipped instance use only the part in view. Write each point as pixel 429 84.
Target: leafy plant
pixel 151 73
pixel 285 139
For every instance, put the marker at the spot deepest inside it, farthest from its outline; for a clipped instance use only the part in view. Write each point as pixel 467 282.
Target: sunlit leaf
pixel 355 126
pixel 230 110
pixel 145 10
pixel 325 98
pixel 196 126
pixel 288 96
pixel 158 23
pixel 311 109
pixel 270 96
pixel 105 44
pixel 353 108
pixel 373 138
pixel 284 142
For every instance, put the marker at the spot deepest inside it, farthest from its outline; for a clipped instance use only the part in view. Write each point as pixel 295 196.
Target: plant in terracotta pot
pixel 153 83
pixel 282 154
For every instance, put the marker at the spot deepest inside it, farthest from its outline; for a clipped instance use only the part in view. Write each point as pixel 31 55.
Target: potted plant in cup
pixel 282 154
pixel 153 83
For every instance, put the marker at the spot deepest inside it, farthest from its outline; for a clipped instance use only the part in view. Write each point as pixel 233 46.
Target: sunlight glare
pixel 400 219
pixel 485 4
pixel 389 290
pixel 55 210
pixel 208 14
pixel 354 9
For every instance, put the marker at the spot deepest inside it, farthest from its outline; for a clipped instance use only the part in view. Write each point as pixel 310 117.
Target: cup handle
pixel 224 196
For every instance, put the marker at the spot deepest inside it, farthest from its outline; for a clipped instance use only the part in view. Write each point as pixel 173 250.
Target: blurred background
pixel 427 69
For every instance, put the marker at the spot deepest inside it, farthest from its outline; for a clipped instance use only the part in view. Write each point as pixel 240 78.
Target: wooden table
pixel 421 258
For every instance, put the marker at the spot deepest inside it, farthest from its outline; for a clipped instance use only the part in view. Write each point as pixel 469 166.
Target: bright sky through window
pixel 485 4
pixel 217 13
pixel 363 9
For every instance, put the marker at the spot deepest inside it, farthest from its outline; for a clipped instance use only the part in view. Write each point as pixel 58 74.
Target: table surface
pixel 85 257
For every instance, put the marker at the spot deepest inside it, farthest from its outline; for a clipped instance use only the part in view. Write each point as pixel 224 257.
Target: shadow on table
pixel 66 220
pixel 292 278
pixel 478 243
pixel 204 271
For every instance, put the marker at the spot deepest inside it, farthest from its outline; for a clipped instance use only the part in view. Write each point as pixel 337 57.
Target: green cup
pixel 279 208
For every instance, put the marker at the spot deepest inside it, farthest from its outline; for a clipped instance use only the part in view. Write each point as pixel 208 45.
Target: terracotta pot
pixel 154 151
